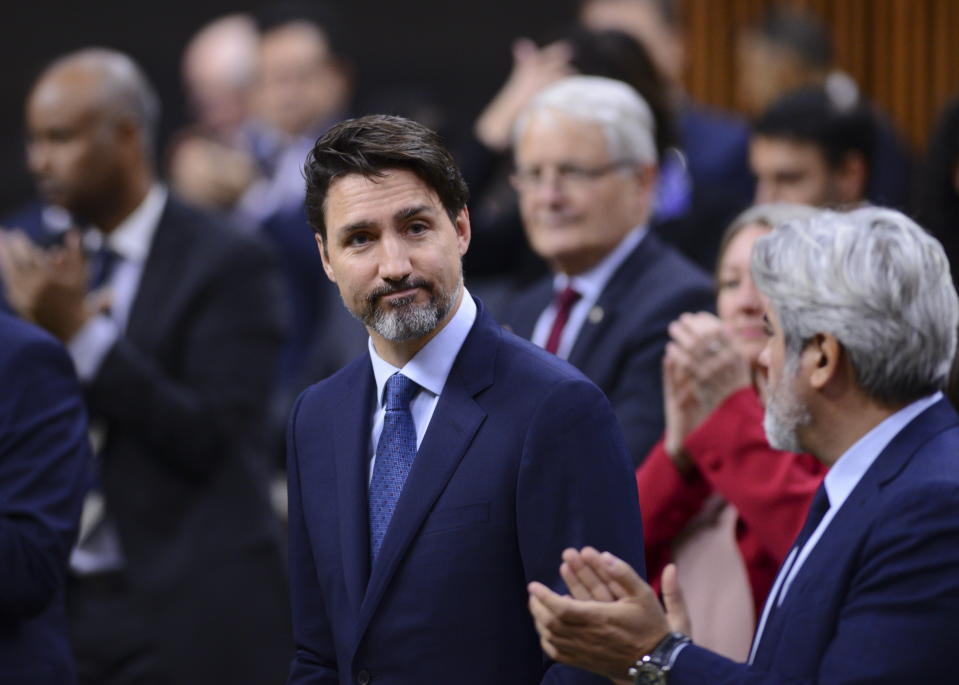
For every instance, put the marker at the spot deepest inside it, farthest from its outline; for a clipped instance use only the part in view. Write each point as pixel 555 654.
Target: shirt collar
pixel 133 237
pixel 430 367
pixel 846 473
pixel 591 283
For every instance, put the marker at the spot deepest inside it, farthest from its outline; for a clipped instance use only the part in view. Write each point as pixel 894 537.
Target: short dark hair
pixel 812 115
pixel 373 145
pixel 617 55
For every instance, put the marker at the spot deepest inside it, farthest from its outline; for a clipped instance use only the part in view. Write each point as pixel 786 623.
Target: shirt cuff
pixel 89 347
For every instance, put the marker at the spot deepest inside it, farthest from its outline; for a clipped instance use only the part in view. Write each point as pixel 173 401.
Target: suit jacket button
pixel 363 677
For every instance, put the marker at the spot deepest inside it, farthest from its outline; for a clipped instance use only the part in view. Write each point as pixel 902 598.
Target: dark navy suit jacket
pixel 44 466
pixel 877 600
pixel 622 349
pixel 521 459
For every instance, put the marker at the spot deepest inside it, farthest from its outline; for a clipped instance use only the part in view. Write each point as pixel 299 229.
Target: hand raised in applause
pixel 611 617
pixel 534 68
pixel 48 287
pixel 701 368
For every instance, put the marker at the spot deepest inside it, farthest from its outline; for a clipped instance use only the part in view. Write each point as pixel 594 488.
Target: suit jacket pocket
pixel 452 518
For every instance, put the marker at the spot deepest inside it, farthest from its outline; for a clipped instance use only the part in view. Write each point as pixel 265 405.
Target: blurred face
pixel 74 150
pixel 787 413
pixel 793 172
pixel 739 304
pixel 394 253
pixel 300 85
pixel 577 202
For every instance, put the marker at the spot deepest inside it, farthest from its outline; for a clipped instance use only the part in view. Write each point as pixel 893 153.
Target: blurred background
pixel 903 54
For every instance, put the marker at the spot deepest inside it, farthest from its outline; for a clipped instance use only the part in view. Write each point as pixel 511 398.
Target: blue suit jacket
pixel 622 351
pixel 44 467
pixel 521 459
pixel 877 600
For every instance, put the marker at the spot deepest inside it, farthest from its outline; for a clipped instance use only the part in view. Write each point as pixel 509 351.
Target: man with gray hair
pixel 172 323
pixel 861 320
pixel 586 174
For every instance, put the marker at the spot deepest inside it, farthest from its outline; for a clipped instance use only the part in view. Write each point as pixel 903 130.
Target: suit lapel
pixel 351 435
pixel 169 249
pixel 451 431
pixel 613 298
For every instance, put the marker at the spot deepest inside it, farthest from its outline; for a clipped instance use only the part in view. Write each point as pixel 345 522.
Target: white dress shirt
pixel 98 547
pixel 131 242
pixel 590 286
pixel 841 479
pixel 429 369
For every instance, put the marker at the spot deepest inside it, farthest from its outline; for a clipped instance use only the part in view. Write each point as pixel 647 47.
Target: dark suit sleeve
pixel 901 614
pixel 44 456
pixel 576 488
pixel 227 345
pixel 315 660
pixel 638 396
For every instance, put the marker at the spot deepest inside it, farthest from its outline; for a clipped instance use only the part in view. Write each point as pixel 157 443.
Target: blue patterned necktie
pixel 394 457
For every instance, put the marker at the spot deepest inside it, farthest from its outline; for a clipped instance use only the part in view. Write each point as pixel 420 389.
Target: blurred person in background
pixel 715 497
pixel 45 463
pixel 789 48
pixel 939 206
pixel 716 184
pixel 501 259
pixel 586 176
pixel 209 162
pixel 811 148
pixel 173 321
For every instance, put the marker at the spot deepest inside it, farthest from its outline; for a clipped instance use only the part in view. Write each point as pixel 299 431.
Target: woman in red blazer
pixel 715 497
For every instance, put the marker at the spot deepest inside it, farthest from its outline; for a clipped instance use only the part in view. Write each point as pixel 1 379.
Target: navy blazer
pixel 877 600
pixel 522 458
pixel 44 467
pixel 620 347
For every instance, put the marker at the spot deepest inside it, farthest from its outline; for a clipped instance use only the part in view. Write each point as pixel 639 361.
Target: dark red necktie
pixel 564 303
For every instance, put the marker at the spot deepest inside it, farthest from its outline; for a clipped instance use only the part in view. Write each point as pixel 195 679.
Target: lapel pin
pixel 596 314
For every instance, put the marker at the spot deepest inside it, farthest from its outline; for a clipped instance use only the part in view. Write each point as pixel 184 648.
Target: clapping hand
pixel 47 287
pixel 701 368
pixel 611 617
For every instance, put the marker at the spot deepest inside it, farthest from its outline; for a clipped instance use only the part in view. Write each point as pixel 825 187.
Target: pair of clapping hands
pixel 701 368
pixel 49 286
pixel 611 617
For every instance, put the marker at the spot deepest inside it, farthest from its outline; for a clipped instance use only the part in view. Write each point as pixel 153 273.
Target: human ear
pixel 823 352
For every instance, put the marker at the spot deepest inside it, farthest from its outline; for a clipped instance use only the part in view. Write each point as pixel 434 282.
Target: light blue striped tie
pixel 395 452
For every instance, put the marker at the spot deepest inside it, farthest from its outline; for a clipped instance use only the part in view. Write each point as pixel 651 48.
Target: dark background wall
pixel 457 52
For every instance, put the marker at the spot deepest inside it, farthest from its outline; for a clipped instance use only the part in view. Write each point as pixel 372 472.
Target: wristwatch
pixel 653 668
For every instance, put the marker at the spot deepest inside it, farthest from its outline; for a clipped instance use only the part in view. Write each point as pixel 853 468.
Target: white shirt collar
pixel 590 284
pixel 133 237
pixel 430 367
pixel 849 469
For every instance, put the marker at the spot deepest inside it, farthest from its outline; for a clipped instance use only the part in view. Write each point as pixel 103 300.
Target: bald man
pixel 171 321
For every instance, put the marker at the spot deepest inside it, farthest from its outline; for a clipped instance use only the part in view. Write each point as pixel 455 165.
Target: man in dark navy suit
pixel 177 576
pixel 44 462
pixel 862 324
pixel 446 467
pixel 586 174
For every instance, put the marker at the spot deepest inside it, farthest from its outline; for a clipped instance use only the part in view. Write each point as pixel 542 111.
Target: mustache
pixel 398 286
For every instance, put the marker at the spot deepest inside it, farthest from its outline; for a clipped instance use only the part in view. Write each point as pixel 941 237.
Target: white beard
pixel 785 414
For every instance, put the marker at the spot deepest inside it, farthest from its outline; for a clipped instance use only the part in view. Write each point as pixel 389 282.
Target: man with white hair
pixel 586 174
pixel 861 321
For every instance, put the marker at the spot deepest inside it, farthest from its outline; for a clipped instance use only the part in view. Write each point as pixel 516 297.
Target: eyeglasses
pixel 566 175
